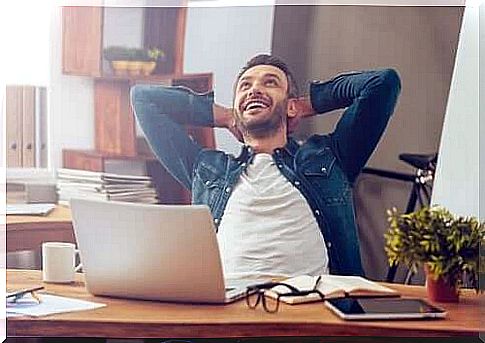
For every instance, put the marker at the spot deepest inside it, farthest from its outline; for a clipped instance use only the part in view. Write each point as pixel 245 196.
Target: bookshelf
pixel 86 32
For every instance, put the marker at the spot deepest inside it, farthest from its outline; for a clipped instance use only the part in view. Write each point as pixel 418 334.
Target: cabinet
pixel 86 32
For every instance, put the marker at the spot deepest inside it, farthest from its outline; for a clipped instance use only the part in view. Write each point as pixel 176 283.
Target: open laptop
pixel 152 252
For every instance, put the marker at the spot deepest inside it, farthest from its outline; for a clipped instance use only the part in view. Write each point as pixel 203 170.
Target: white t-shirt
pixel 268 228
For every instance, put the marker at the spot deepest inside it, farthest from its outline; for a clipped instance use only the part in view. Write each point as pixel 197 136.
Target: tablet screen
pixel 383 306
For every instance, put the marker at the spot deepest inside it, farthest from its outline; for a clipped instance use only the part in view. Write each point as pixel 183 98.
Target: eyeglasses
pixel 255 294
pixel 13 297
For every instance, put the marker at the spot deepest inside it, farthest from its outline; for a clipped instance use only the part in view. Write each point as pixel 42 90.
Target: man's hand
pixel 301 108
pixel 223 117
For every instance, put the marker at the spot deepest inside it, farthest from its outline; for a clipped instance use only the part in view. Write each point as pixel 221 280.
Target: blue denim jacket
pixel 323 168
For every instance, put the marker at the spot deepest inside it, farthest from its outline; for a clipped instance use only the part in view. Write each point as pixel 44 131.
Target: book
pixel 104 186
pixel 331 286
pixel 86 174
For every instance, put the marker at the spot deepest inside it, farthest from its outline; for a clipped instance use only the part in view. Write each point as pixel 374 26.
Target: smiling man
pixel 280 207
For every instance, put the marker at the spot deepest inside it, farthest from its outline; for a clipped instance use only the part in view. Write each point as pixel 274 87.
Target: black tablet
pixel 384 308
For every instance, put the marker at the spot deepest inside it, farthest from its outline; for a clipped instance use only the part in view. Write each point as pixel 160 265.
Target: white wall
pixel 482 112
pixel 221 40
pixel 457 180
pixel 122 27
pixel 70 103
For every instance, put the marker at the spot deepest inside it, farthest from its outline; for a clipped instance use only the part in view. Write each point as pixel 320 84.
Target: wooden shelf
pixel 157 77
pixel 85 30
pixel 99 154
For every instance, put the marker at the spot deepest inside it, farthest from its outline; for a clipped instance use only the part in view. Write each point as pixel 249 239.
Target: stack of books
pixel 104 186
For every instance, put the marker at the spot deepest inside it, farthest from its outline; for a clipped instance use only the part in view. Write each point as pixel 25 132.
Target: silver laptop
pixel 151 252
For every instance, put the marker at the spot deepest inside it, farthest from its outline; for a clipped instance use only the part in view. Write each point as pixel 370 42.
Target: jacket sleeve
pixel 161 111
pixel 370 98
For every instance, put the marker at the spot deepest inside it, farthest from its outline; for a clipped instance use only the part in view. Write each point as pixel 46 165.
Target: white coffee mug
pixel 58 262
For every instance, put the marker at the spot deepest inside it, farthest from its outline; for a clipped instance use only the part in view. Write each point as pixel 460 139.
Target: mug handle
pixel 80 265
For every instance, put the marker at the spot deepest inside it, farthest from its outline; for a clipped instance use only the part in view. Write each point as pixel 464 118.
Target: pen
pixel 19 294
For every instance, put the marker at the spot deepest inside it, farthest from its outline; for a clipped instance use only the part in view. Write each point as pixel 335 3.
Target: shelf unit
pixel 85 34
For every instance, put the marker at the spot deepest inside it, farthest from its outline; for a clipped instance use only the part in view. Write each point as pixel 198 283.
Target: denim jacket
pixel 323 168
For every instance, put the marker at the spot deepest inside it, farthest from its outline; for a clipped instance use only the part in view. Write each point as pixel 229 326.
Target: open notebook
pixel 332 286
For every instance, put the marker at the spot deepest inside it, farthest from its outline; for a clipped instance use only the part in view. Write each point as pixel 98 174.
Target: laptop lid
pixel 153 252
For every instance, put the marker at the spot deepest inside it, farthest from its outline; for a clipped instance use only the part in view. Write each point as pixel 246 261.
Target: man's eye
pixel 271 82
pixel 244 85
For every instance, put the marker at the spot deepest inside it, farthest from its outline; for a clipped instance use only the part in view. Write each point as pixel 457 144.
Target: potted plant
pixel 119 57
pixel 133 61
pixel 151 58
pixel 447 246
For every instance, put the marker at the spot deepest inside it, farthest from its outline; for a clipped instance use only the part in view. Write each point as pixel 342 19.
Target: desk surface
pixel 138 319
pixel 60 214
pixel 28 232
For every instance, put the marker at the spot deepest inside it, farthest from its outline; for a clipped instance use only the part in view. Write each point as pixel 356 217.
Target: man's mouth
pixel 255 104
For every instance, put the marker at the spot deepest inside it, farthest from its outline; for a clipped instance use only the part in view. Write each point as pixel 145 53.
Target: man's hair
pixel 264 59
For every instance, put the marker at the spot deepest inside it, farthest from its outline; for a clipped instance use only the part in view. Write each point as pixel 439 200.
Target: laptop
pixel 152 252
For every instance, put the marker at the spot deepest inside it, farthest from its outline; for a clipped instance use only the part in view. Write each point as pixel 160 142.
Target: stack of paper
pixel 50 304
pixel 104 186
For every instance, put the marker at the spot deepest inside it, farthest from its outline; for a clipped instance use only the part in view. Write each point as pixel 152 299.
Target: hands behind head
pixel 297 109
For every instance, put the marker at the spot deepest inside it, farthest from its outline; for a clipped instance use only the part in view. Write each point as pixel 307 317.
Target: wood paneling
pixel 82 40
pixel 76 159
pixel 114 120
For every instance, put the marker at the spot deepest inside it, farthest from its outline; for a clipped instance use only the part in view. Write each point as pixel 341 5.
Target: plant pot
pixel 120 68
pixel 440 290
pixel 148 67
pixel 134 68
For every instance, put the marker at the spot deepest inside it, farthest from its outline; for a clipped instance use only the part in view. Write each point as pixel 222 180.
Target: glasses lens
pixel 252 300
pixel 271 305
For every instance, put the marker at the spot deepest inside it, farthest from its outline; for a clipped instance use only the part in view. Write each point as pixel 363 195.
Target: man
pixel 281 208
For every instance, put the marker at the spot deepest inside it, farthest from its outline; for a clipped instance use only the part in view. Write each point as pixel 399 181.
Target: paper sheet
pixel 51 304
pixel 29 209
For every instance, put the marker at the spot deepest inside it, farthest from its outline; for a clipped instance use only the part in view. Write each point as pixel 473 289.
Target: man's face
pixel 261 98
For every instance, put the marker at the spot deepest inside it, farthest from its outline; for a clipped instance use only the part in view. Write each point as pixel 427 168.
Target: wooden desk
pixel 149 319
pixel 28 232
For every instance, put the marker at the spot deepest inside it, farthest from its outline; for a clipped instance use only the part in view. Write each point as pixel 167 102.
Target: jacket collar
pixel 247 152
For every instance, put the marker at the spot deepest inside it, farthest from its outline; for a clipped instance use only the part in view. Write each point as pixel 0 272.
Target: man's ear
pixel 292 108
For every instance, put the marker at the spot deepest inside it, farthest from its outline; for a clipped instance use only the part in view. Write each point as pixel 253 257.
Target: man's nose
pixel 255 89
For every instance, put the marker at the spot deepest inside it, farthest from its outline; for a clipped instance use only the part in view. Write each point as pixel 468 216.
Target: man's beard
pixel 265 128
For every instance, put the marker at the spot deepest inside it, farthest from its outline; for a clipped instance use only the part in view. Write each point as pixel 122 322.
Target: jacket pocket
pixel 208 184
pixel 321 164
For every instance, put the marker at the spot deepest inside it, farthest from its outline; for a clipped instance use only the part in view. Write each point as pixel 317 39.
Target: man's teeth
pixel 256 104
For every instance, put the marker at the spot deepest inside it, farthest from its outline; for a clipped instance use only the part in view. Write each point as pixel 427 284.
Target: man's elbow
pixel 391 81
pixel 138 98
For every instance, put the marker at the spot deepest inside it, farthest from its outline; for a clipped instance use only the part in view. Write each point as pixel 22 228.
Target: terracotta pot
pixel 148 67
pixel 439 290
pixel 134 68
pixel 120 67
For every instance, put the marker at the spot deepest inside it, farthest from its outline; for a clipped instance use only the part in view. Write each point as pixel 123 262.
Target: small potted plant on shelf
pixel 133 61
pixel 151 58
pixel 447 246
pixel 119 57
